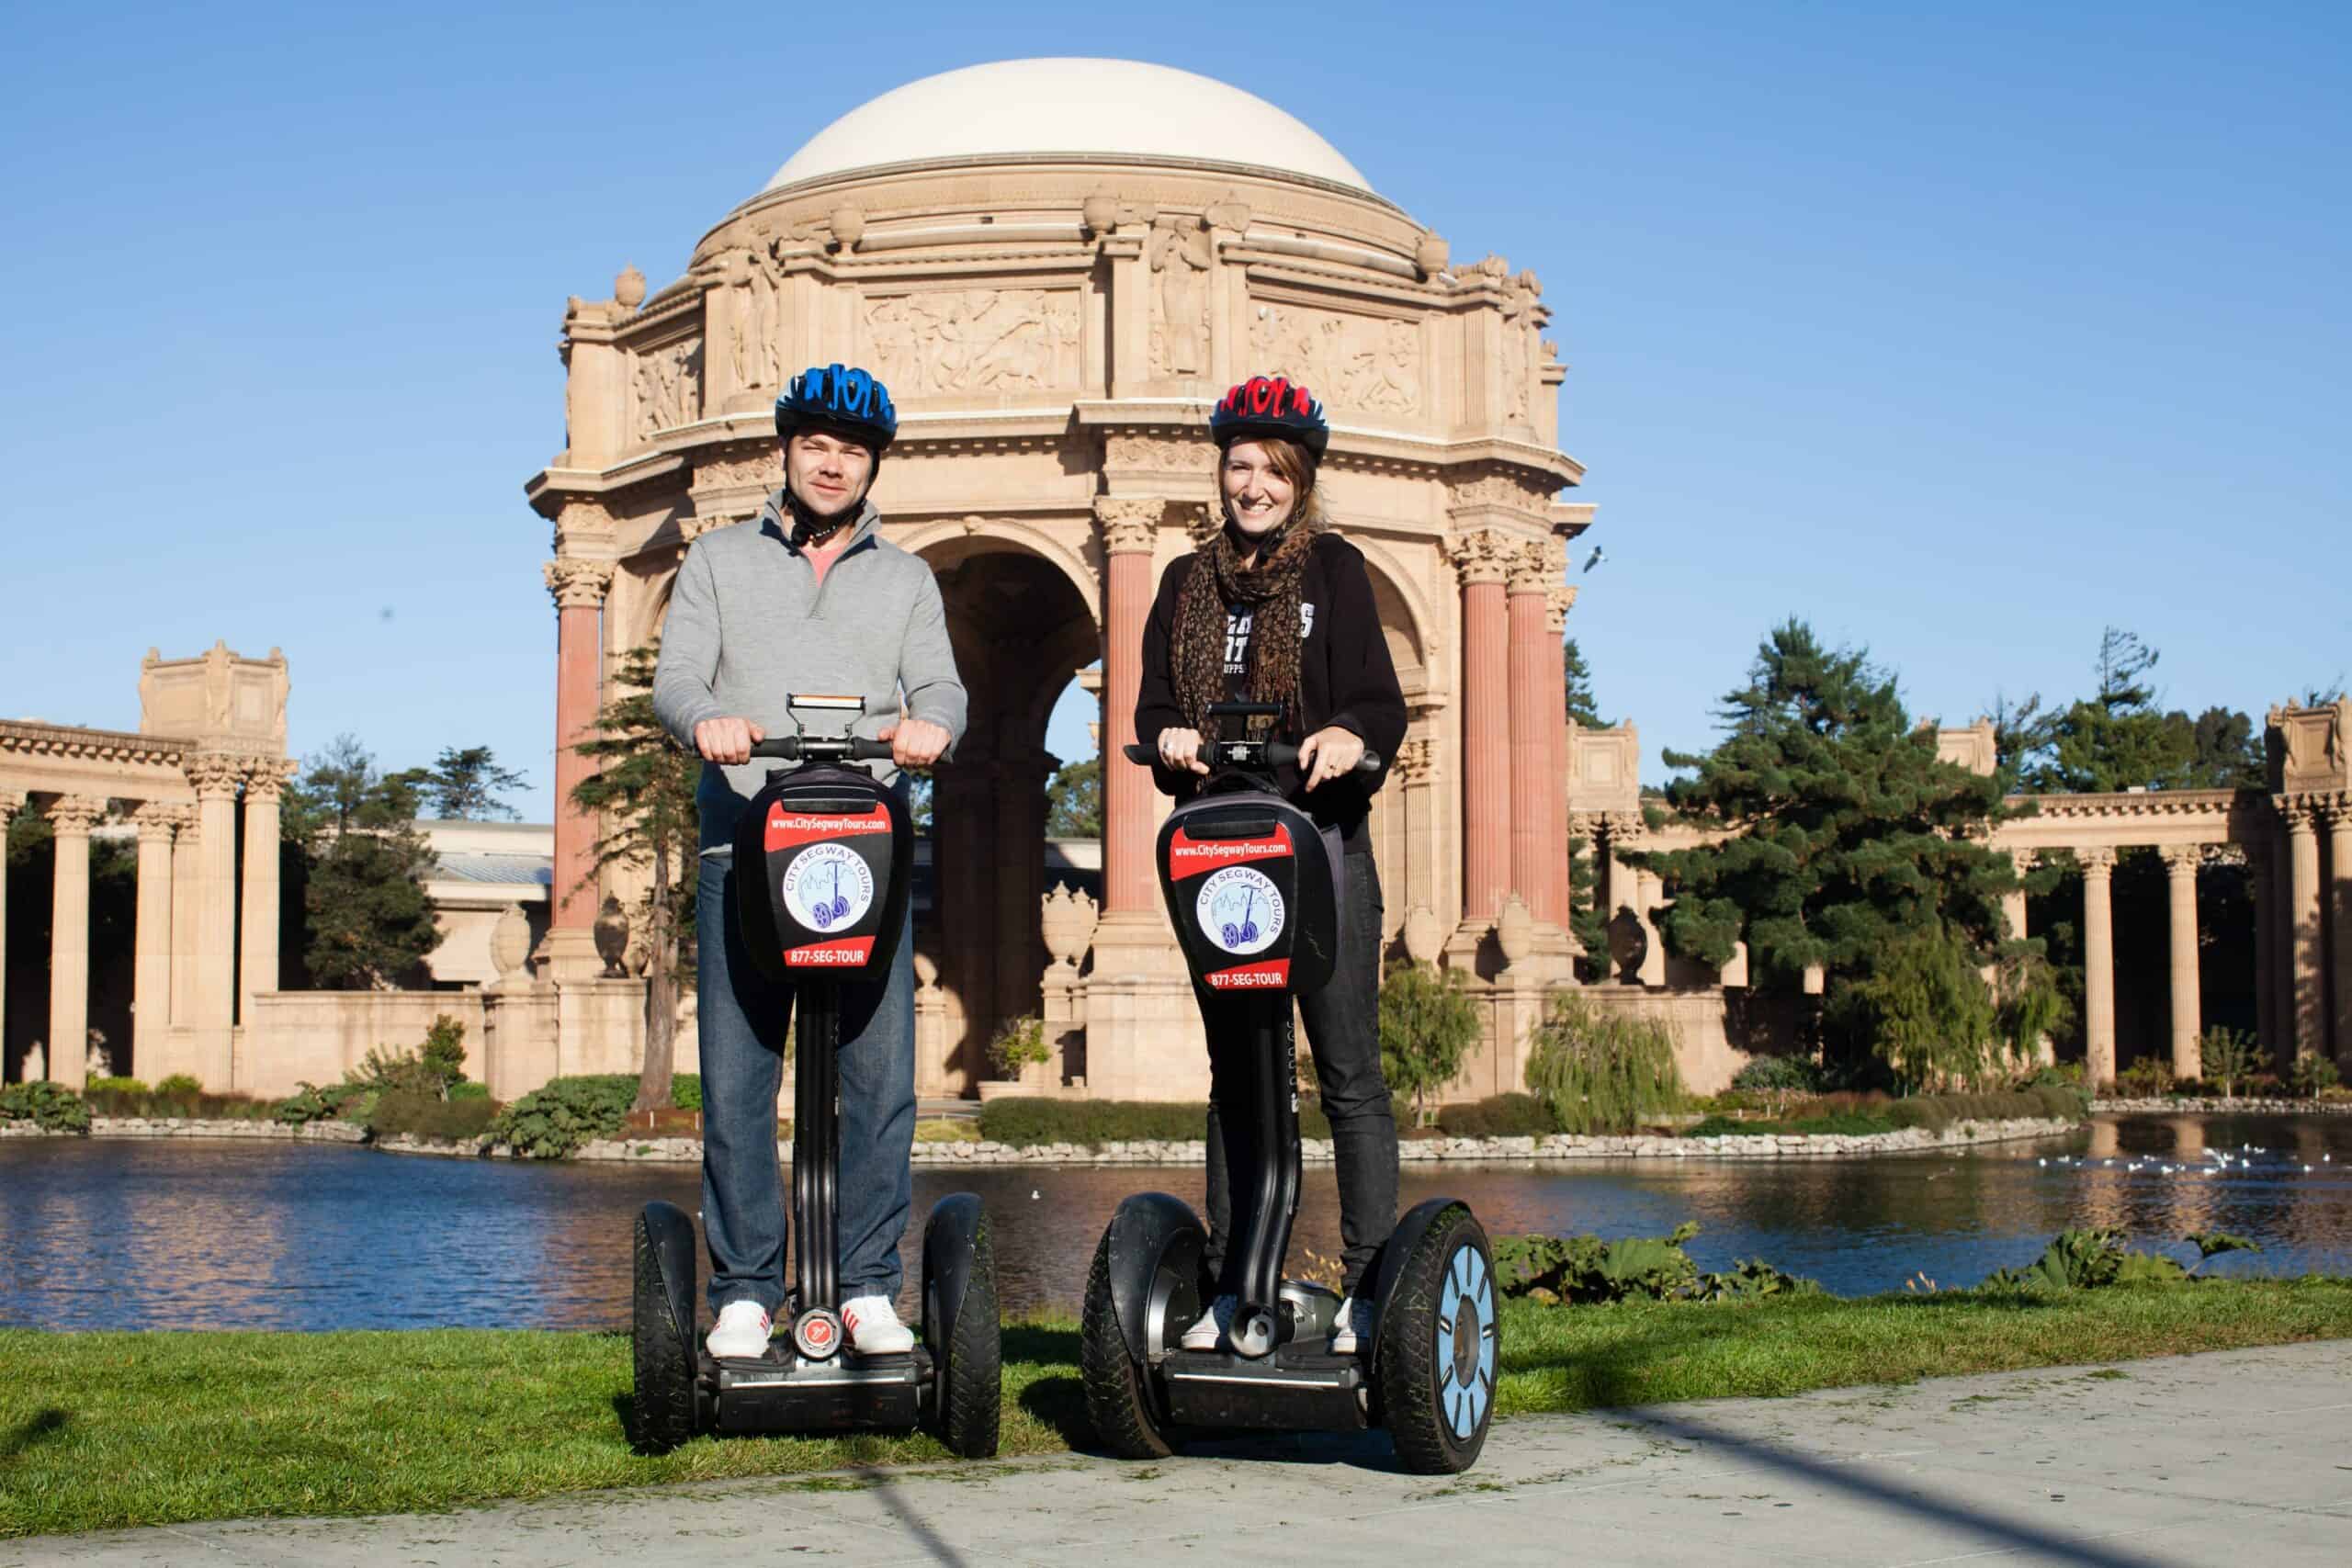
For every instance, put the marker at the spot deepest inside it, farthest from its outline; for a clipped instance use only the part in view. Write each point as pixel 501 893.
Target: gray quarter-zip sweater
pixel 749 625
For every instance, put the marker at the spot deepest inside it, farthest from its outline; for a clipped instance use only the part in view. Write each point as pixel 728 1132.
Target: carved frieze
pixel 1502 485
pixel 1157 454
pixel 665 388
pixel 762 472
pixel 972 340
pixel 1367 363
pixel 1181 255
pixel 754 354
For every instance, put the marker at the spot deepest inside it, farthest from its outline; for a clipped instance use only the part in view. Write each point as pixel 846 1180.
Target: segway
pixel 821 862
pixel 1253 889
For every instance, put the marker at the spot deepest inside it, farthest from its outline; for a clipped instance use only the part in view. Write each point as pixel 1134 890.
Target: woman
pixel 1277 608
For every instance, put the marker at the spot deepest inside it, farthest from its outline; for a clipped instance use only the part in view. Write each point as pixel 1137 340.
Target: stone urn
pixel 1100 212
pixel 1430 255
pixel 1515 931
pixel 612 938
pixel 629 289
pixel 510 941
pixel 1069 919
pixel 848 225
pixel 1424 934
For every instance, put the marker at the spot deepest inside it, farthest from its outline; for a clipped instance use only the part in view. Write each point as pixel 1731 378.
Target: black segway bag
pixel 1253 891
pixel 823 858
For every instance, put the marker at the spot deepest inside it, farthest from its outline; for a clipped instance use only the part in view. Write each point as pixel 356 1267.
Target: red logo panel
pixel 786 829
pixel 848 952
pixel 1271 975
pixel 1188 856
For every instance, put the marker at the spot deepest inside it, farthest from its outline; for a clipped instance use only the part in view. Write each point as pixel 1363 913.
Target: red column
pixel 1485 728
pixel 1128 526
pixel 579 590
pixel 1558 599
pixel 1531 778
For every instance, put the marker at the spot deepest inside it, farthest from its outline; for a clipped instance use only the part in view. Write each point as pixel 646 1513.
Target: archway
pixel 1022 629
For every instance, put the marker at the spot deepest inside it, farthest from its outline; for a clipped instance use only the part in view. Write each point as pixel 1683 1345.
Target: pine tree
pixel 2120 738
pixel 1851 845
pixel 1579 684
pixel 1074 801
pixel 367 922
pixel 643 791
pixel 464 786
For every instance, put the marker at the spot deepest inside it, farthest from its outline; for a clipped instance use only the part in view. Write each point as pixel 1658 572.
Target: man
pixel 809 598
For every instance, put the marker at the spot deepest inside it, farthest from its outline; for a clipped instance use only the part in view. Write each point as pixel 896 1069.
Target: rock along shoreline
pixel 1556 1146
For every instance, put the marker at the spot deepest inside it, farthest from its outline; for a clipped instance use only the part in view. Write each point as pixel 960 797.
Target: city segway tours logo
pixel 1240 910
pixel 828 888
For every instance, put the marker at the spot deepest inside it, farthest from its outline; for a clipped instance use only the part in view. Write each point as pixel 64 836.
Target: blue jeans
pixel 744 1022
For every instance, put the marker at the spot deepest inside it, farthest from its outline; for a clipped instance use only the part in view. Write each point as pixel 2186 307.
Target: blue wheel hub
pixel 1465 1342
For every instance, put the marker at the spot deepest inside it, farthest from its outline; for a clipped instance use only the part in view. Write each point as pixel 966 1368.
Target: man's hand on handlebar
pixel 726 739
pixel 1181 749
pixel 1327 754
pixel 916 742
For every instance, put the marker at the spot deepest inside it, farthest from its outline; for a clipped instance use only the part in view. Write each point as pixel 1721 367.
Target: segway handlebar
pixel 1250 754
pixel 823 748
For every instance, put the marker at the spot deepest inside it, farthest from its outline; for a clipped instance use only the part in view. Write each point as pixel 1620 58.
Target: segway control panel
pixel 1251 888
pixel 821 861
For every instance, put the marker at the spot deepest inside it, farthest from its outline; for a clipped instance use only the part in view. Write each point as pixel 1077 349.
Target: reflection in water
pixel 204 1234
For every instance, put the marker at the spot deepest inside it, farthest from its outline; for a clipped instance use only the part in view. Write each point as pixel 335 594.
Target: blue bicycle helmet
pixel 847 400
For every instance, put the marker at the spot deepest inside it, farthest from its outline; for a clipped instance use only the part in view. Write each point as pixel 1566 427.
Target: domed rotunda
pixel 1057 266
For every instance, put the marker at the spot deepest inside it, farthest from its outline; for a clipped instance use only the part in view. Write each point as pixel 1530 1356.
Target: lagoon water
pixel 213 1234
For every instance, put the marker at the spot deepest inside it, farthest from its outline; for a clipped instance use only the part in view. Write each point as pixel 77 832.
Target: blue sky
pixel 1962 331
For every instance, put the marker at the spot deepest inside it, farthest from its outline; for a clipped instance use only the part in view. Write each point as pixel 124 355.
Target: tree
pixel 2225 751
pixel 1846 837
pixel 367 923
pixel 1586 921
pixel 1428 1023
pixel 2022 736
pixel 464 786
pixel 643 792
pixel 1074 800
pixel 2120 738
pixel 1579 683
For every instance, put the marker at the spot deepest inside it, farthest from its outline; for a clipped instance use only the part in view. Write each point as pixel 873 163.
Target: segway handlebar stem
pixel 1245 754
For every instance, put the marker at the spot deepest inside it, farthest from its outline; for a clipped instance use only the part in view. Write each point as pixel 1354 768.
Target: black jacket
pixel 1345 678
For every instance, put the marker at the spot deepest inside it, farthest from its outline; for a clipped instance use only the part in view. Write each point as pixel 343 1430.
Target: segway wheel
pixel 1116 1400
pixel 663 1408
pixel 1439 1344
pixel 971 1371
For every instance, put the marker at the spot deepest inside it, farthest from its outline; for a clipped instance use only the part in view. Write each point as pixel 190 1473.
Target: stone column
pixel 151 988
pixel 1480 559
pixel 71 817
pixel 1559 599
pixel 2013 910
pixel 1532 778
pixel 1416 763
pixel 257 961
pixel 214 1004
pixel 11 801
pixel 2339 875
pixel 2257 892
pixel 2303 928
pixel 188 888
pixel 2098 965
pixel 1129 526
pixel 578 586
pixel 2180 882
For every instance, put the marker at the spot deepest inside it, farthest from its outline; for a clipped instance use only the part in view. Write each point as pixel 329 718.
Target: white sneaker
pixel 1214 1325
pixel 874 1327
pixel 741 1331
pixel 1352 1327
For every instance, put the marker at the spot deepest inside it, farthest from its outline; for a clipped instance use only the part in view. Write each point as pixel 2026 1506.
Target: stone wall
pixel 317 1036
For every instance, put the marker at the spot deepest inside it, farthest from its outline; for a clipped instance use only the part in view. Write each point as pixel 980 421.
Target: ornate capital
pixel 1558 600
pixel 1201 523
pixel 1129 523
pixel 157 822
pixel 1481 555
pixel 2182 860
pixel 2098 862
pixel 1622 827
pixel 1416 759
pixel 215 774
pixel 578 584
pixel 267 777
pixel 1533 568
pixel 2300 812
pixel 11 802
pixel 73 816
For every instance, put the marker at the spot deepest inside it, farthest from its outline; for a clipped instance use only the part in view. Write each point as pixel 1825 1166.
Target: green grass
pixel 107 1430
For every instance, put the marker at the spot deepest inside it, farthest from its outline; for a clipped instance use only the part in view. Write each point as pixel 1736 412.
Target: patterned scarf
pixel 1272 591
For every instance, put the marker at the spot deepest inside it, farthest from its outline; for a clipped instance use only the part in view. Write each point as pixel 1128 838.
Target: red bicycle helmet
pixel 1270 406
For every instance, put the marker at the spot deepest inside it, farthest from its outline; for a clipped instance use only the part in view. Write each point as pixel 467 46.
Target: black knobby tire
pixel 971 1379
pixel 1436 1406
pixel 1117 1401
pixel 663 1407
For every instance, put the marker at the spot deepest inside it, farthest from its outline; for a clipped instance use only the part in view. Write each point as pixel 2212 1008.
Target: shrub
pixel 1428 1023
pixel 685 1091
pixel 1017 1044
pixel 51 1106
pixel 2230 1057
pixel 1581 1269
pixel 1778 1076
pixel 1925 1011
pixel 1502 1116
pixel 2147 1078
pixel 468 1091
pixel 2089 1259
pixel 310 1102
pixel 1024 1122
pixel 1602 1071
pixel 117 1086
pixel 555 1119
pixel 179 1086
pixel 2312 1076
pixel 429 1116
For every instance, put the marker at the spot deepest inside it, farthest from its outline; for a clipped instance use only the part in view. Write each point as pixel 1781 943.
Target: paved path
pixel 2238 1457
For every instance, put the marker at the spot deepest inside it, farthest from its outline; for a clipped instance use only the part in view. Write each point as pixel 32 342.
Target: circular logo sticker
pixel 1240 909
pixel 828 887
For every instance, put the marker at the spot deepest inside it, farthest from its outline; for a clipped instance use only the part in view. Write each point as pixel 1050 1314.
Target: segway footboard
pixel 773 1393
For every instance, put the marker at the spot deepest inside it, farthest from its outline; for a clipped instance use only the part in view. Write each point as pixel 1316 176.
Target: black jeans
pixel 1343 1035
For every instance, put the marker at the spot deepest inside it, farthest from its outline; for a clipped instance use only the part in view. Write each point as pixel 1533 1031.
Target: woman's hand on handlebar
pixel 1328 753
pixel 1181 749
pixel 916 742
pixel 726 739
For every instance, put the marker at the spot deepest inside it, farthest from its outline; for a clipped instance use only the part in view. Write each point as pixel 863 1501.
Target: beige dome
pixel 1069 108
